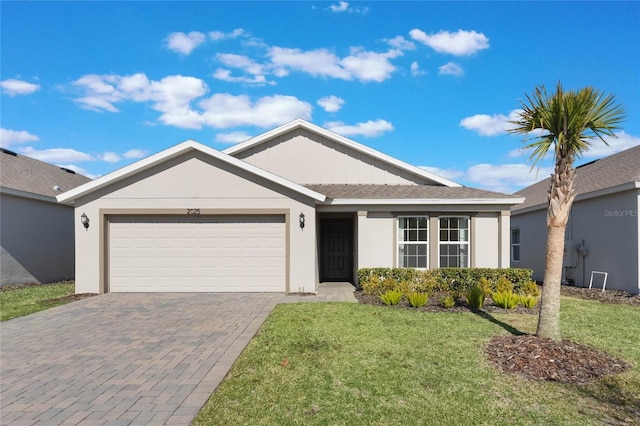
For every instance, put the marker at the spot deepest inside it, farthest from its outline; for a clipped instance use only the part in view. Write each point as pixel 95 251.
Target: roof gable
pixel 367 155
pixel 22 175
pixel 174 152
pixel 619 170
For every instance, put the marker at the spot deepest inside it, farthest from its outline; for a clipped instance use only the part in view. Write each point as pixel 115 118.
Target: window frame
pixel 399 235
pixel 518 244
pixel 454 243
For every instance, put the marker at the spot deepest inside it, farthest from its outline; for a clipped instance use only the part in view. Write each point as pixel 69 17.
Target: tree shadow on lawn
pixel 613 397
pixel 509 328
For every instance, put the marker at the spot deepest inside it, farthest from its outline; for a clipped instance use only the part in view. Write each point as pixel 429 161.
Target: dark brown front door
pixel 337 235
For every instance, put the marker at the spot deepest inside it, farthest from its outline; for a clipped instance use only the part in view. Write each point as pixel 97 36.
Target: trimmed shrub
pixel 475 297
pixel 530 288
pixel 448 301
pixel 505 299
pixel 391 297
pixel 417 299
pixel 442 279
pixel 503 285
pixel 485 285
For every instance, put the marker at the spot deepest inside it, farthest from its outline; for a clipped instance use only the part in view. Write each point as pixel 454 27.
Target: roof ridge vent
pixel 587 164
pixel 68 170
pixel 6 151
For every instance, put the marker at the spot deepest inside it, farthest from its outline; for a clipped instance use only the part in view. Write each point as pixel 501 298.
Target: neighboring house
pixel 603 231
pixel 281 212
pixel 36 233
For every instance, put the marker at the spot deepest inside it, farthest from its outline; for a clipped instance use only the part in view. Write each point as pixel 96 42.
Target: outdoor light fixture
pixel 301 217
pixel 84 219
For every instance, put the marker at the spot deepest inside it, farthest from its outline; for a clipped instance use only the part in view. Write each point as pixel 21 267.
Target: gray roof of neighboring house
pixel 617 169
pixel 405 192
pixel 27 174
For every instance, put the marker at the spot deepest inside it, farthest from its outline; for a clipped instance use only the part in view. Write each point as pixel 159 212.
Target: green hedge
pixel 374 280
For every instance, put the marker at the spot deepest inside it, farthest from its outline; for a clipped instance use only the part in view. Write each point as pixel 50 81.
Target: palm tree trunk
pixel 561 196
pixel 549 319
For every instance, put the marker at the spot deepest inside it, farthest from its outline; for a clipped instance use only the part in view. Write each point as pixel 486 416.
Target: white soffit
pixel 299 123
pixel 172 152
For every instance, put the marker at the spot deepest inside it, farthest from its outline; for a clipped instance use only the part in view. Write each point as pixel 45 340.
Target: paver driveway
pixel 124 358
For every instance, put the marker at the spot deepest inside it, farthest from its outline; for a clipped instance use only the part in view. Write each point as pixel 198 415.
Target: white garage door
pixel 197 254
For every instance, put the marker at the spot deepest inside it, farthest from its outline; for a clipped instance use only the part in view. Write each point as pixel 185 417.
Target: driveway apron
pixel 120 359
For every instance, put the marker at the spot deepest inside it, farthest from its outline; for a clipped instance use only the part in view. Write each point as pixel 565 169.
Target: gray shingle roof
pixel 404 192
pixel 617 169
pixel 34 176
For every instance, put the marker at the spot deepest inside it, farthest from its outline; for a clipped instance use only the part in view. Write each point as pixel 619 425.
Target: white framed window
pixel 454 241
pixel 413 241
pixel 515 244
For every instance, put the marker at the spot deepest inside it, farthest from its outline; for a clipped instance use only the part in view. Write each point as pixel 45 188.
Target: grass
pixel 17 302
pixel 345 363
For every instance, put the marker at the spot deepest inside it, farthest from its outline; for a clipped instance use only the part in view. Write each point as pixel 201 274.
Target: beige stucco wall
pixel 608 225
pixel 377 236
pixel 307 158
pixel 193 181
pixel 37 241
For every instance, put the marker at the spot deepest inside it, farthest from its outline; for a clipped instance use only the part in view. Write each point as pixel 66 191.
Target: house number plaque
pixel 193 212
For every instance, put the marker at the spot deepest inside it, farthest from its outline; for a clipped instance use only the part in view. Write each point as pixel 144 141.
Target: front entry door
pixel 337 235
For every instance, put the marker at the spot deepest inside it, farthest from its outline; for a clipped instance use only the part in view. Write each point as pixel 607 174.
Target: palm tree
pixel 568 123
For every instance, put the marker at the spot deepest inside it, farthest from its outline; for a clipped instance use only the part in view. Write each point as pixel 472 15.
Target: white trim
pixel 584 196
pixel 172 152
pixel 299 123
pixel 29 195
pixel 423 201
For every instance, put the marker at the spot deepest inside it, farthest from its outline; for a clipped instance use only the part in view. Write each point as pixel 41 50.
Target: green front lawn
pixel 17 302
pixel 343 364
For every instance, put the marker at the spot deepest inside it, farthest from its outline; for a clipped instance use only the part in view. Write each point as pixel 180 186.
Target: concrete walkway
pixel 130 359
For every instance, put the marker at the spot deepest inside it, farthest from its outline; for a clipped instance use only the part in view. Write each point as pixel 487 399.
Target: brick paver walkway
pixel 128 359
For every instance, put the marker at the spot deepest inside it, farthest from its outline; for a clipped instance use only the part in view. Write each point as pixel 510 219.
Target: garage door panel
pixel 205 253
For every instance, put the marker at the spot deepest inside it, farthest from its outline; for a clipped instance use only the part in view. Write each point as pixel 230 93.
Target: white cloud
pixel 232 137
pixel 225 75
pixel 331 103
pixel 505 178
pixel 460 43
pixel 134 153
pixel 79 170
pixel 219 35
pixel 490 125
pixel 415 69
pixel 13 87
pixel 11 137
pixel 369 129
pixel 344 6
pixel 360 64
pixel 56 155
pixel 401 43
pixel 445 173
pixel 173 97
pixel 185 43
pixel 450 68
pixel 223 110
pixel 109 157
pixel 621 142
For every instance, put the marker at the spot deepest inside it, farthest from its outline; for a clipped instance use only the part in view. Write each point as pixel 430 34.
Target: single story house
pixel 281 212
pixel 36 232
pixel 603 230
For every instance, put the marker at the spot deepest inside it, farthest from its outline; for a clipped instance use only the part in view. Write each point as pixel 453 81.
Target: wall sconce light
pixel 301 217
pixel 84 219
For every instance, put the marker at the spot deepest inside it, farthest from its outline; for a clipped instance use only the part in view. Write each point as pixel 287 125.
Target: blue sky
pixel 94 86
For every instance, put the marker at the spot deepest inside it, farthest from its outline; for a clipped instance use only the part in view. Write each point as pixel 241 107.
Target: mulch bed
pixel 536 358
pixel 533 357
